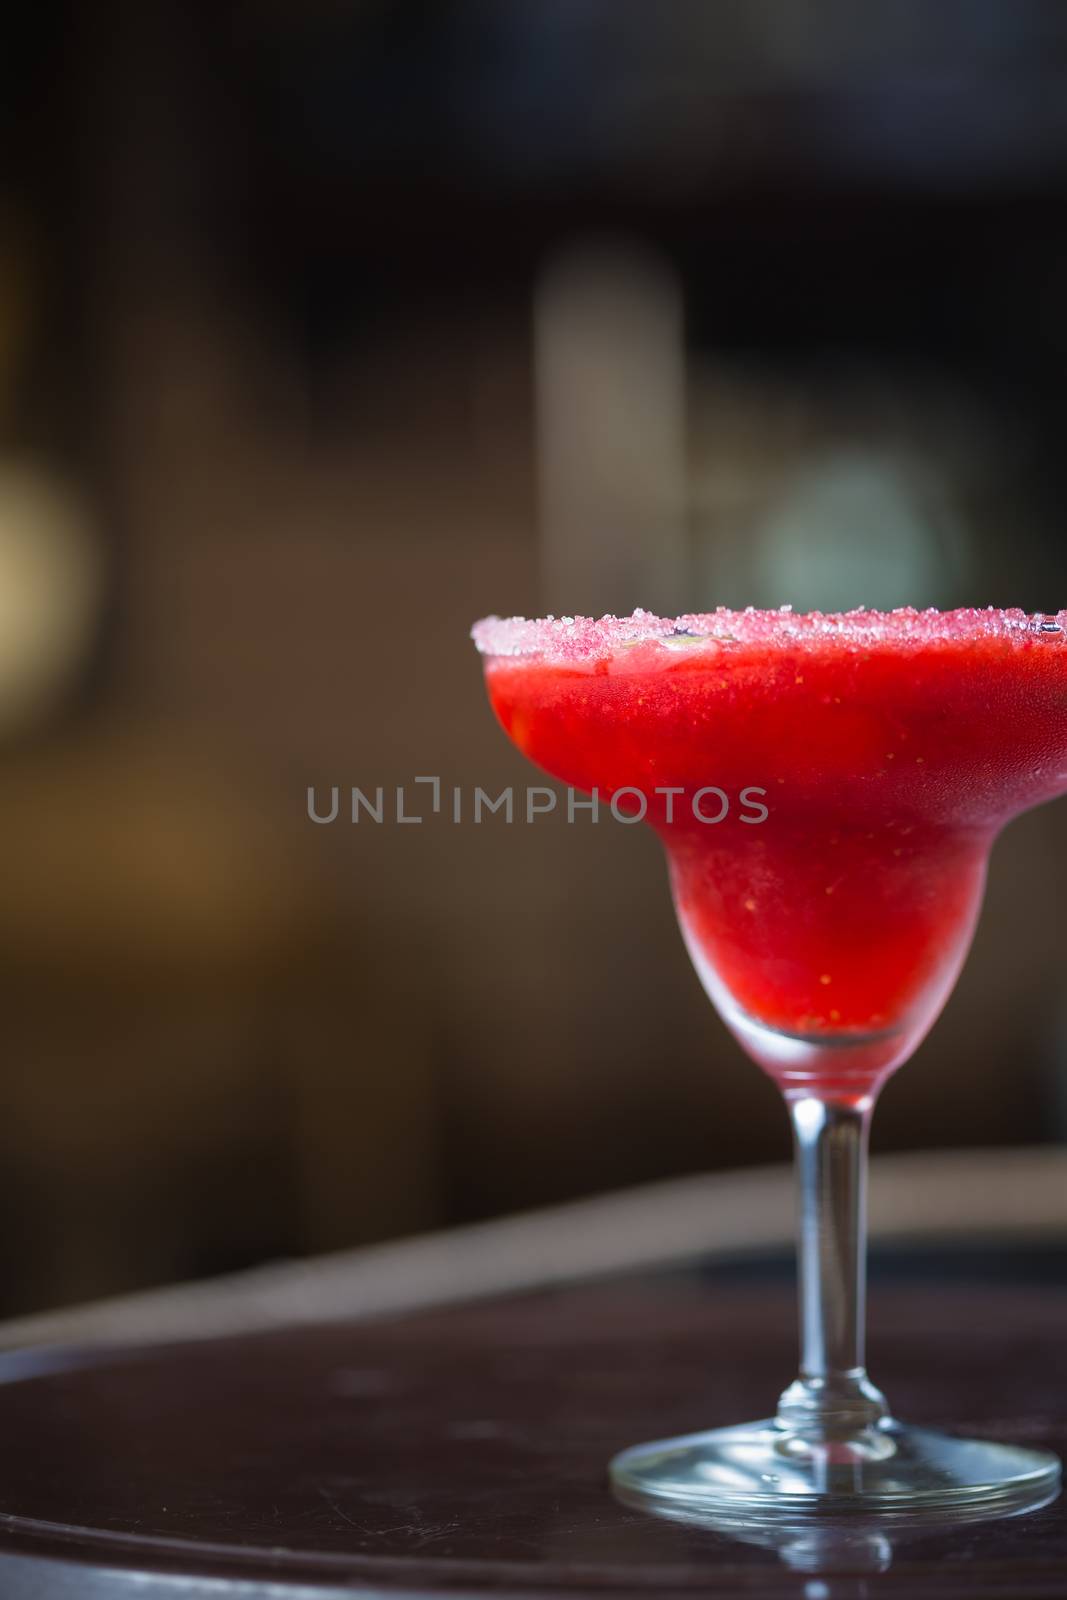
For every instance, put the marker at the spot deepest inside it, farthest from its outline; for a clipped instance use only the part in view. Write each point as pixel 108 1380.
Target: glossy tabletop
pixel 463 1451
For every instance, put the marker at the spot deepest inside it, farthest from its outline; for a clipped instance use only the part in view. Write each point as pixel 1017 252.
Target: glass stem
pixel 832 1397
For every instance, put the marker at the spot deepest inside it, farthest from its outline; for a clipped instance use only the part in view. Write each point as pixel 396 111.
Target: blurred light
pixel 611 430
pixel 851 530
pixel 51 583
pixel 838 488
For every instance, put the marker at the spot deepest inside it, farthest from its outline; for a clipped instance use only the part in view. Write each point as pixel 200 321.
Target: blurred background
pixel 328 327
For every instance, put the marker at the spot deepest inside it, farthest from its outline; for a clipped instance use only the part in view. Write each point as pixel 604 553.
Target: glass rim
pixel 582 638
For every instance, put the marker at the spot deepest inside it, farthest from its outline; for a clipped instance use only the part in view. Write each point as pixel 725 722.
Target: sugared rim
pixel 590 638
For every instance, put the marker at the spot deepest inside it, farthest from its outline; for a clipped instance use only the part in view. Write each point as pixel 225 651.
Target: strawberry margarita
pixel 827 789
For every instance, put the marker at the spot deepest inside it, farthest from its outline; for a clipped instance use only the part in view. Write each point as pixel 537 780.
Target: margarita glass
pixel 827 790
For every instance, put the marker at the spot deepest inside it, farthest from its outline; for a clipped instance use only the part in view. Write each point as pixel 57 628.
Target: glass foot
pixel 767 1471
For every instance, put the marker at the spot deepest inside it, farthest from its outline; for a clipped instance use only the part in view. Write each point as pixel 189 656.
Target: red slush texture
pixel 890 760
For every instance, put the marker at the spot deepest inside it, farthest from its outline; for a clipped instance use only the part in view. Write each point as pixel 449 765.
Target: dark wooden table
pixel 463 1451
